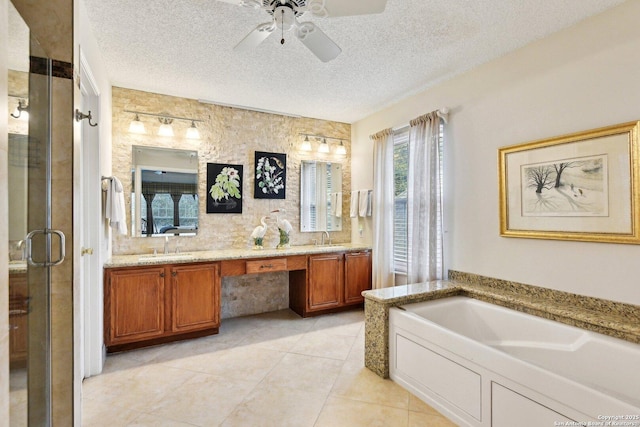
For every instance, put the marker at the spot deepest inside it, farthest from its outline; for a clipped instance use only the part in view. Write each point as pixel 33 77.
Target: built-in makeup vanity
pixel 154 299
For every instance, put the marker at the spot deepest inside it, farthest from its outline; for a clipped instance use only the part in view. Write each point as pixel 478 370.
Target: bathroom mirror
pixel 320 196
pixel 164 196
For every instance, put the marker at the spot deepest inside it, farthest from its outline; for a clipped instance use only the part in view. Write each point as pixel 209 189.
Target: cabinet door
pixel 357 276
pixel 325 281
pixel 18 311
pixel 134 304
pixel 195 294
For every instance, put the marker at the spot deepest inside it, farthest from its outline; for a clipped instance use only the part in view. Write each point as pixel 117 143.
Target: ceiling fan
pixel 285 14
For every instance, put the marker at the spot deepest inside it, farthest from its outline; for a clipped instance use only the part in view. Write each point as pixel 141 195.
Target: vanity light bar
pixel 136 126
pixel 323 148
pixel 165 116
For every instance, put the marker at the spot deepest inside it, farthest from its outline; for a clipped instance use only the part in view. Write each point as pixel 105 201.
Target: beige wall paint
pixel 581 78
pixel 228 135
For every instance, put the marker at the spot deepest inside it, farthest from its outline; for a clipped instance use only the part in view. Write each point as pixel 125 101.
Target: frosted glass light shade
pixel 306 144
pixel 136 126
pixel 165 128
pixel 323 147
pixel 341 150
pixel 192 132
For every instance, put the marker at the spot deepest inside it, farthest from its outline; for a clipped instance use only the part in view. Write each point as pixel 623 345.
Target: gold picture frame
pixel 583 186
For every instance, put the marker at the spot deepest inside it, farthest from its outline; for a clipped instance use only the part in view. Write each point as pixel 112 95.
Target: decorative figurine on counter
pixel 258 233
pixel 284 227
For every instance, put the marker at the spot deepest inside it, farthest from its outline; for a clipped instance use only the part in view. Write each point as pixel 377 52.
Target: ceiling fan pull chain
pixel 282 27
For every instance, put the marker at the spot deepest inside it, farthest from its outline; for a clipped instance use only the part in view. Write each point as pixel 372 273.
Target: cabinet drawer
pixel 267 265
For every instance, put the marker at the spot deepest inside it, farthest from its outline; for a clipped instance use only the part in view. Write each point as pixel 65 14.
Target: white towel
pixel 363 203
pixel 338 205
pixel 115 210
pixel 369 202
pixel 354 204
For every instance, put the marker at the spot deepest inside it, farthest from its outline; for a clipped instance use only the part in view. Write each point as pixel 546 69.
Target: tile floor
pixel 273 369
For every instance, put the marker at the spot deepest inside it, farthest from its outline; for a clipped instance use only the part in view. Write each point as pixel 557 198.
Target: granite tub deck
pixel 611 318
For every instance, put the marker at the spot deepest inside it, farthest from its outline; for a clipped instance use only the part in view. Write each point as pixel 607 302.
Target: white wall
pixel 585 77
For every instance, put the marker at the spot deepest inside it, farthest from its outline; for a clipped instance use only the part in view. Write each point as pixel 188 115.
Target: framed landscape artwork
pixel 271 176
pixel 583 186
pixel 224 188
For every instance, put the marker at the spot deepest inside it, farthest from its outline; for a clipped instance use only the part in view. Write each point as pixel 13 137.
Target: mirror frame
pixel 138 166
pixel 337 223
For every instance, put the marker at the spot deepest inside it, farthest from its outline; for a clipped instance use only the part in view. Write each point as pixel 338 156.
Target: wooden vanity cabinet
pixel 153 304
pixel 332 282
pixel 134 301
pixel 195 296
pixel 325 282
pixel 357 276
pixel 18 312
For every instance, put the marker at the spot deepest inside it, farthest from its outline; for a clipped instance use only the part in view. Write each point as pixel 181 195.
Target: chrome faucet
pixel 325 232
pixel 20 245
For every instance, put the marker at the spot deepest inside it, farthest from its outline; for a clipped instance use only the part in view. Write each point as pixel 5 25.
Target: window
pixel 400 170
pixel 188 207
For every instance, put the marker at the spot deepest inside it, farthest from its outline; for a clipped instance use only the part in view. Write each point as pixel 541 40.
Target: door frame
pixel 89 208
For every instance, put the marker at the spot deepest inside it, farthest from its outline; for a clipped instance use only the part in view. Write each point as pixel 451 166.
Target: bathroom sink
pixel 333 246
pixel 166 257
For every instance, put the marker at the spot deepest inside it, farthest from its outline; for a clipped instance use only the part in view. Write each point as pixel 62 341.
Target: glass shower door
pixel 33 247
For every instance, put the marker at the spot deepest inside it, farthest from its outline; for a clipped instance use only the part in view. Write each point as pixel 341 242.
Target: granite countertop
pixel 17 267
pixel 227 254
pixel 607 317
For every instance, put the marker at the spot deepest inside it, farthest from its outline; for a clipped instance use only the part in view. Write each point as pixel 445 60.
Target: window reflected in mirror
pixel 164 199
pixel 320 196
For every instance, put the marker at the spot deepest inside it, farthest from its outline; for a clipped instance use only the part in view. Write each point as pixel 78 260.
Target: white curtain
pixel 383 207
pixel 424 204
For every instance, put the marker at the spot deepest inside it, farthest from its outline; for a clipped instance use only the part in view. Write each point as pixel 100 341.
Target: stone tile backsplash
pixel 228 135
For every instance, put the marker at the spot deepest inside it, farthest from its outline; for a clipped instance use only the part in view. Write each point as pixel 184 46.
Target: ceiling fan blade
pixel 256 4
pixel 317 41
pixel 333 8
pixel 255 37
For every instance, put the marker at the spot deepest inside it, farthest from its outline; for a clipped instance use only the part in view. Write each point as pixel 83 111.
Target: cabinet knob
pixel 161 274
pixel 174 273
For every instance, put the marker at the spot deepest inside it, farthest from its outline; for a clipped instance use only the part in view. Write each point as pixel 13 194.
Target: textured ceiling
pixel 185 48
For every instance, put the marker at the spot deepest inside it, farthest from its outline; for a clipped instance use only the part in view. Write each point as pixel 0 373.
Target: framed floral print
pixel 271 176
pixel 224 188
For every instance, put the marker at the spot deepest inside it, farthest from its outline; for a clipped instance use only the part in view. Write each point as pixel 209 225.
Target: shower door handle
pixel 49 263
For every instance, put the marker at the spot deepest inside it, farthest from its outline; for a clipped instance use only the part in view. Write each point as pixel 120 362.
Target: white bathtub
pixel 485 365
